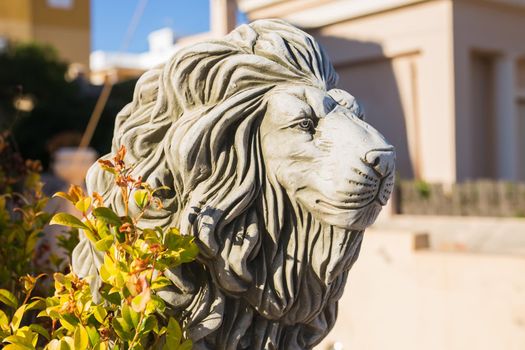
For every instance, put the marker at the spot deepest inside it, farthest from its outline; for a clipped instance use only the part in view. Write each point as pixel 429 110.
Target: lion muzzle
pixel 382 162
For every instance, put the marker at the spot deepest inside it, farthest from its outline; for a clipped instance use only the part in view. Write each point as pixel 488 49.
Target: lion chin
pixel 362 218
pixel 272 169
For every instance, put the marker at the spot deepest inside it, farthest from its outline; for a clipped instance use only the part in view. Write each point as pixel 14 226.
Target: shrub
pixel 130 314
pixel 22 215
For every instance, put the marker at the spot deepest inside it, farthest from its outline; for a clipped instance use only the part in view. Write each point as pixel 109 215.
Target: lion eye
pixel 306 124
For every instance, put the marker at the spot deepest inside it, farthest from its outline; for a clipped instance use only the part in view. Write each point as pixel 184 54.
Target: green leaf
pixel 113 298
pixel 104 244
pixel 94 336
pixel 122 329
pixel 156 304
pixel 40 330
pixel 69 220
pixel 189 253
pixel 173 334
pixel 81 339
pixel 130 316
pixel 8 298
pixel 107 215
pixel 186 345
pixel 141 198
pixel 70 322
pixel 32 240
pixel 36 304
pixel 151 236
pixel 150 323
pixel 4 332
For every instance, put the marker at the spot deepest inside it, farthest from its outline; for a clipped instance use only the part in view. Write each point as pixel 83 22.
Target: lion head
pixel 272 169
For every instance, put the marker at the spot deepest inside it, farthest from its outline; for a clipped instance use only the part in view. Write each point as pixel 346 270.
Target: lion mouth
pixel 378 191
pixel 352 219
pixel 357 209
pixel 367 215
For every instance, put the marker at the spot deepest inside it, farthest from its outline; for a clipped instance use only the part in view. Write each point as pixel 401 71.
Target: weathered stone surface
pixel 273 170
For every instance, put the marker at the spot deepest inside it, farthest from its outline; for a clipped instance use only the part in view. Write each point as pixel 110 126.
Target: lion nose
pixel 382 161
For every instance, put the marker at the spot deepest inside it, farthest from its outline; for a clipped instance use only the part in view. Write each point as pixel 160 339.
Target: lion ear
pixel 348 101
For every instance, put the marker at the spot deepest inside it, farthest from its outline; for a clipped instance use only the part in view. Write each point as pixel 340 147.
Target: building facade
pixel 64 24
pixel 444 80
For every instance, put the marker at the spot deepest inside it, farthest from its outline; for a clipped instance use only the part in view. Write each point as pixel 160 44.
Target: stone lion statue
pixel 272 169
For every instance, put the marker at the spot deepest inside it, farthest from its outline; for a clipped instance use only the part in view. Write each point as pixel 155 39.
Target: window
pixel 61 4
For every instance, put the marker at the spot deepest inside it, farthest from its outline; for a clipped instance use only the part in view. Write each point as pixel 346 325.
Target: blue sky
pixel 110 20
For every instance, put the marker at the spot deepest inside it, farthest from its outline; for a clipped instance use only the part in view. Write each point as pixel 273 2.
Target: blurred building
pixel 64 24
pixel 444 80
pixel 163 44
pixel 129 65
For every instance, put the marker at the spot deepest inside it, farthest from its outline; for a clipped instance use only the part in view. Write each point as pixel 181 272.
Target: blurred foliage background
pixel 59 108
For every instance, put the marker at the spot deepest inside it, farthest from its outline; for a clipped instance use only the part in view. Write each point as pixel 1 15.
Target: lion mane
pixel 269 274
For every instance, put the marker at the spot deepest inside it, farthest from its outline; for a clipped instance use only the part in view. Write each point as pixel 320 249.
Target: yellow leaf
pixel 83 204
pixel 64 195
pixel 66 343
pixel 69 220
pixel 4 321
pixel 81 340
pixel 100 346
pixel 17 347
pixel 100 313
pixel 160 282
pixel 141 198
pixel 104 244
pixel 17 317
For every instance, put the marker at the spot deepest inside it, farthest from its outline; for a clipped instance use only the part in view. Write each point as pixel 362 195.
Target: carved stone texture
pixel 273 170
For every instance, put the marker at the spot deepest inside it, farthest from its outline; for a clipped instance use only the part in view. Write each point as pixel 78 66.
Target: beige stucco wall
pixel 399 297
pixel 67 29
pixel 15 18
pixel 72 44
pixel 498 33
